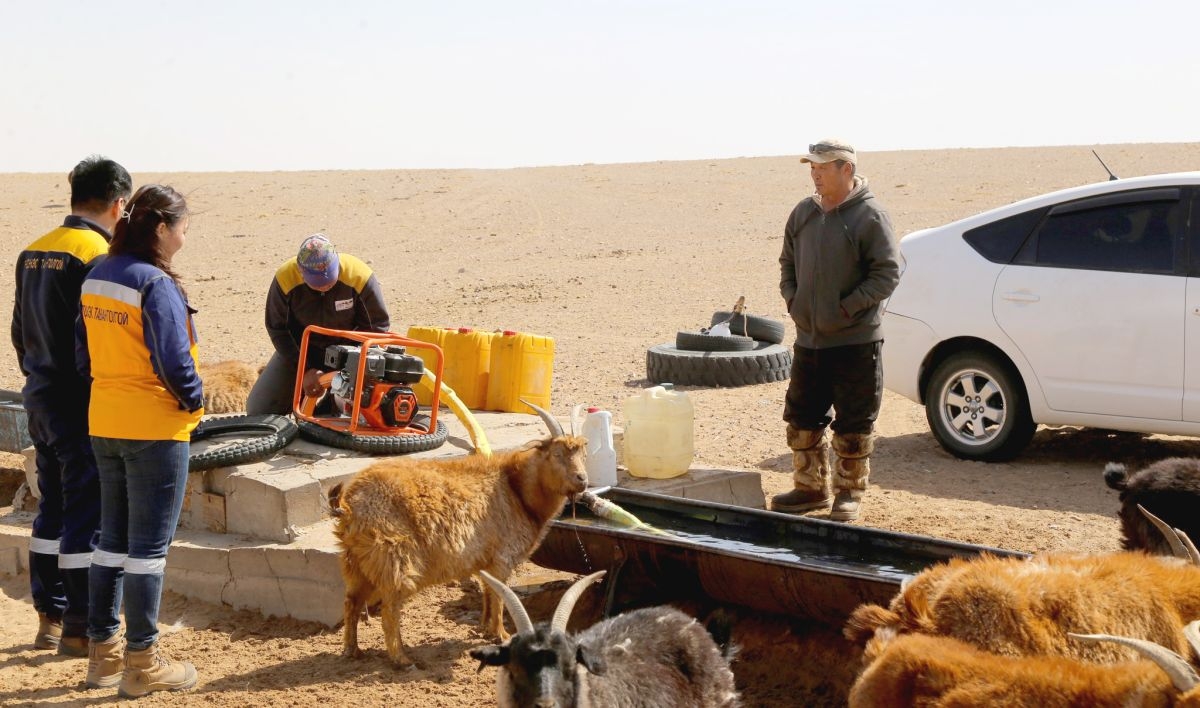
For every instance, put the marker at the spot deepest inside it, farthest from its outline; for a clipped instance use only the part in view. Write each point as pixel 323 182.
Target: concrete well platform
pixel 273 499
pixel 259 537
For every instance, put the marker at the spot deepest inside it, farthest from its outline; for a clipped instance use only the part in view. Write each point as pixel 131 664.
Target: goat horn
pixel 1183 676
pixel 1178 549
pixel 1191 632
pixel 1193 553
pixel 562 613
pixel 556 429
pixel 511 601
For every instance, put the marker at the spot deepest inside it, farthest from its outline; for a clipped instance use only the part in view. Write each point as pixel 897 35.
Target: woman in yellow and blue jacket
pixel 138 344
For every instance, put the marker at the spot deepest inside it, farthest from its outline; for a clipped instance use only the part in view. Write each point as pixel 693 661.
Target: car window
pixel 1000 240
pixel 1138 237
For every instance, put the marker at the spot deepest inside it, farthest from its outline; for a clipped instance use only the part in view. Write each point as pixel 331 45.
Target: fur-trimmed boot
pixel 851 473
pixel 810 472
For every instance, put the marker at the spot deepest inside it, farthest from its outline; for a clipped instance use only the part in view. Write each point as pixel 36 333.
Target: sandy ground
pixel 609 260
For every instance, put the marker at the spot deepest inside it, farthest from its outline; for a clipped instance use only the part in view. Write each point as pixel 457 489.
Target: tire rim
pixel 972 407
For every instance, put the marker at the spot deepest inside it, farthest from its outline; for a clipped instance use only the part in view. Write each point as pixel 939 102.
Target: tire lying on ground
pixel 761 328
pixel 700 342
pixel 262 436
pixel 401 444
pixel 766 363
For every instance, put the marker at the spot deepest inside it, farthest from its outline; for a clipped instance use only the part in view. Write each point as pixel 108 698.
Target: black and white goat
pixel 656 656
pixel 1169 488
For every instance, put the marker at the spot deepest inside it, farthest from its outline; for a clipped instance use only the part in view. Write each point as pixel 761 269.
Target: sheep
pixel 1017 607
pixel 1170 488
pixel 914 669
pixel 227 384
pixel 655 656
pixel 404 525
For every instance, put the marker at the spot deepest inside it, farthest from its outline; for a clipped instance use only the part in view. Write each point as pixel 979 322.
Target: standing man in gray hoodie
pixel 840 261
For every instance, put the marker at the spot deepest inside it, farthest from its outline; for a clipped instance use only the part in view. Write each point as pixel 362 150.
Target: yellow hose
pixel 455 404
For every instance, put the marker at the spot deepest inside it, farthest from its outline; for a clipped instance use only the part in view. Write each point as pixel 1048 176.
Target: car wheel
pixel 977 408
pixel 766 363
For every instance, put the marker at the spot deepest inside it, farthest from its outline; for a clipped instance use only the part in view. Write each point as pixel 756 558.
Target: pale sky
pixel 272 85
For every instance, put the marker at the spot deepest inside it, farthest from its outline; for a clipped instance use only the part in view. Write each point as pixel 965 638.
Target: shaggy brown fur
pixel 405 524
pixel 227 384
pixel 1016 607
pixel 918 670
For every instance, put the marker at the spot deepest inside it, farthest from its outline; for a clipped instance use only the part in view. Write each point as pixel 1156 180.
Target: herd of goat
pixel 1113 629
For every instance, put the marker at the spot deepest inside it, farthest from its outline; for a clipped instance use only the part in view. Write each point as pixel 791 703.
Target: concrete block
pixel 190 556
pixel 287 581
pixel 202 510
pixel 200 586
pixel 15 529
pixel 269 506
pixel 12 560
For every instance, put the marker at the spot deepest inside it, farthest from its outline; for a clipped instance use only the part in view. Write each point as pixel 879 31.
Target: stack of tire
pixel 753 353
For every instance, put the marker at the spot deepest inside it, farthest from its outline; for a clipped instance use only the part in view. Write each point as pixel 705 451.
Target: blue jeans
pixel 142 483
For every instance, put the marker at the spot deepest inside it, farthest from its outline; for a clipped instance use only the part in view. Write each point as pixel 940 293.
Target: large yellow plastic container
pixel 659 427
pixel 468 360
pixel 522 367
pixel 433 335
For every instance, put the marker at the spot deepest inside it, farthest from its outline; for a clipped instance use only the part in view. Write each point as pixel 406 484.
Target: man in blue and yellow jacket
pixel 50 273
pixel 317 287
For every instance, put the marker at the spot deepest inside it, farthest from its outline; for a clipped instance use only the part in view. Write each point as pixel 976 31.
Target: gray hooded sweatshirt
pixel 837 267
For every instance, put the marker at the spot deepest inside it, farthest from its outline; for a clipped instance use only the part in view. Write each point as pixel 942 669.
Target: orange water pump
pixel 367 389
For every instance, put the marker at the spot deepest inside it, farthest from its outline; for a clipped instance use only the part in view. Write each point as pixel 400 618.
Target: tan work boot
pixel 73 646
pixel 147 670
pixel 105 662
pixel 853 470
pixel 49 633
pixel 810 473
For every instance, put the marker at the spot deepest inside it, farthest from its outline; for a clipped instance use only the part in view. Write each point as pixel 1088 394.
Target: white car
pixel 1080 307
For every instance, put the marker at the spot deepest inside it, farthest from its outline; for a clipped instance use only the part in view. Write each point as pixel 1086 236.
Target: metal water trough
pixel 791 565
pixel 14 424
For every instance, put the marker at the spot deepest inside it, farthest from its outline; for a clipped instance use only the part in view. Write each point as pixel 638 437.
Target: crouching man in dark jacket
pixel 318 287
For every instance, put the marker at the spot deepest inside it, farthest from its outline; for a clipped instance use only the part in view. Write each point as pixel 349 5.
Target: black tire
pixel 760 328
pixel 402 444
pixel 266 435
pixel 977 407
pixel 698 342
pixel 766 363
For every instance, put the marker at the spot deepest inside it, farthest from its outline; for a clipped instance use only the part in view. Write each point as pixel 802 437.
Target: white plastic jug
pixel 658 433
pixel 601 455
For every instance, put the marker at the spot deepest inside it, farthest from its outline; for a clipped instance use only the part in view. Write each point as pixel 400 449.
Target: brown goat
pixel 914 669
pixel 1016 607
pixel 405 525
pixel 227 384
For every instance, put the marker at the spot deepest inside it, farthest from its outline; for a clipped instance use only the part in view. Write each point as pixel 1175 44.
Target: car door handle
pixel 1021 297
